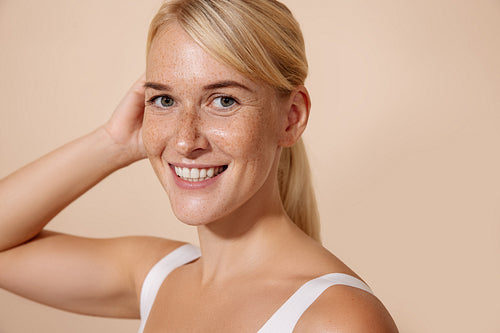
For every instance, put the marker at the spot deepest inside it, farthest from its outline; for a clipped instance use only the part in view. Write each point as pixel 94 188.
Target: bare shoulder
pixel 346 309
pixel 339 308
pixel 141 253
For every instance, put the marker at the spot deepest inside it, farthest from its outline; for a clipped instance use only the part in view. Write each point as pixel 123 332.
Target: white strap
pixel 287 316
pixel 153 281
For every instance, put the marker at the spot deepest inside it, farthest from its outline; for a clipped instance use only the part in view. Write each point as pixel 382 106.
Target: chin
pixel 196 216
pixel 205 209
pixel 194 221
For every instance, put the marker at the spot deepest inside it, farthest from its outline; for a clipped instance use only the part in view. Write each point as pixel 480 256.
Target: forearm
pixel 33 195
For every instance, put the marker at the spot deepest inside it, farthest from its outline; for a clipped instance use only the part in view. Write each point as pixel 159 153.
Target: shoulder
pixel 346 309
pixel 132 256
pixel 138 254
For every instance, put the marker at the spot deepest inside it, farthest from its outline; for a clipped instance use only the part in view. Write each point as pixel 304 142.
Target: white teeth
pixel 210 172
pixel 196 174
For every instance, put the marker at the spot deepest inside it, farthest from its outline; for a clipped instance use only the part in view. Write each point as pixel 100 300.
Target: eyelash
pixel 153 101
pixel 156 101
pixel 234 100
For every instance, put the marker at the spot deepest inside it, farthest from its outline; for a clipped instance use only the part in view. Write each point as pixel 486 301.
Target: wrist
pixel 117 155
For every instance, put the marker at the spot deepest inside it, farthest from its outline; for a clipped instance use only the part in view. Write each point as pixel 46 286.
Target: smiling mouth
pixel 198 174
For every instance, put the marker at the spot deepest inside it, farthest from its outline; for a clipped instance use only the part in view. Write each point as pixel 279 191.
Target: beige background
pixel 404 143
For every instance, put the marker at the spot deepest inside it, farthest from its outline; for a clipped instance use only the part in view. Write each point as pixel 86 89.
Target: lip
pixel 198 166
pixel 187 185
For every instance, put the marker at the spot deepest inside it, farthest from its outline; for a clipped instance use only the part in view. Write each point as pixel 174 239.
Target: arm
pixel 99 277
pixel 33 195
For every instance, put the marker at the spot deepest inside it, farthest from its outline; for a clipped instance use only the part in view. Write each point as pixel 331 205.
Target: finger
pixel 133 101
pixel 139 84
pixel 138 89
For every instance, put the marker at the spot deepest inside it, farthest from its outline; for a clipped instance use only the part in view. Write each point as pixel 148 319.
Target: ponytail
pixel 296 189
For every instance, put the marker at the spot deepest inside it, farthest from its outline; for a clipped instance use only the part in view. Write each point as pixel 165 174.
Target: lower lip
pixel 184 184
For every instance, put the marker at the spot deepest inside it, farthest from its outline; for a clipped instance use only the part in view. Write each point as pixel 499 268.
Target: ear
pixel 298 105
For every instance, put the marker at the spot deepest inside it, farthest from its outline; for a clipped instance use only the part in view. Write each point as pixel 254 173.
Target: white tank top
pixel 282 321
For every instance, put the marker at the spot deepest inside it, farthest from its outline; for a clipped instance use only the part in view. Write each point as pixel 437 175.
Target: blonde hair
pixel 262 40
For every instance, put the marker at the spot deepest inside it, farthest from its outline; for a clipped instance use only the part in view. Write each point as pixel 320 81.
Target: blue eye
pixel 163 101
pixel 224 101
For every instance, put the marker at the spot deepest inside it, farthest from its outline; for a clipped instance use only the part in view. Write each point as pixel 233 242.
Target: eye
pixel 163 101
pixel 224 101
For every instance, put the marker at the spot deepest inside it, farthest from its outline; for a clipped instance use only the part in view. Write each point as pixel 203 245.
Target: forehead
pixel 175 56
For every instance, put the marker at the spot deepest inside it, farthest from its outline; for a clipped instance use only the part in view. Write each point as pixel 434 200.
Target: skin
pixel 195 131
pixel 249 245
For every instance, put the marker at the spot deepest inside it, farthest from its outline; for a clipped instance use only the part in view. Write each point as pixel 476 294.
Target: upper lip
pixel 197 166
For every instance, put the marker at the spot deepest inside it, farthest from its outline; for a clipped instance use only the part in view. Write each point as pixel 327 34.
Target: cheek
pixel 154 134
pixel 247 137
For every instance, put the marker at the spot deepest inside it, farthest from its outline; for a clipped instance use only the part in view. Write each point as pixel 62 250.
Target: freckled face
pixel 211 134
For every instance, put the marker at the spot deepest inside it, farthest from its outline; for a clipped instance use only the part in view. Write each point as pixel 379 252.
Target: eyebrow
pixel 212 86
pixel 157 86
pixel 226 84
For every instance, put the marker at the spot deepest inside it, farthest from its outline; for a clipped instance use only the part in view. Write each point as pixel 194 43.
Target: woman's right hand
pixel 125 125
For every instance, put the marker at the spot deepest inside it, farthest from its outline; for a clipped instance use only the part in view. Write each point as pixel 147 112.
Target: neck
pixel 245 242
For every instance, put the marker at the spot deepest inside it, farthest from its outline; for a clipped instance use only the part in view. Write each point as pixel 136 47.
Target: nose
pixel 189 139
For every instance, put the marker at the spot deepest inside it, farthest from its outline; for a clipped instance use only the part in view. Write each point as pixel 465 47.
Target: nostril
pixel 190 139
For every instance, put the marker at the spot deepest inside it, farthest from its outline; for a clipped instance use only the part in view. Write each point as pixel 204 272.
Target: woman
pixel 219 114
